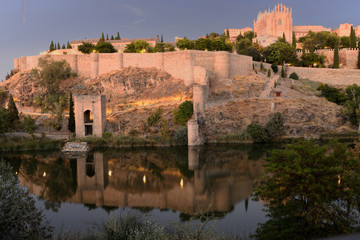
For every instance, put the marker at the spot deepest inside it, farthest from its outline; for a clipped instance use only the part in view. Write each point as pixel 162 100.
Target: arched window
pixel 280 22
pixel 88 116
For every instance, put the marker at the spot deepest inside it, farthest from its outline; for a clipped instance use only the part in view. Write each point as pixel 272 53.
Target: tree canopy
pixel 280 52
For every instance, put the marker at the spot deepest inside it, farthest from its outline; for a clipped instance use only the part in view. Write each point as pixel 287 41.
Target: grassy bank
pixel 16 144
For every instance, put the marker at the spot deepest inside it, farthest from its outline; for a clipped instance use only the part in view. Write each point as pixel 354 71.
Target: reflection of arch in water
pixel 90 166
pixel 88 121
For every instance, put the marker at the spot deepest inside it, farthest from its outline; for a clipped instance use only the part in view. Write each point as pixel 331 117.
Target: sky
pixel 28 26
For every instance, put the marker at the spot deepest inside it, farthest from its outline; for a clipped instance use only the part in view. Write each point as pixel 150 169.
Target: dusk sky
pixel 28 26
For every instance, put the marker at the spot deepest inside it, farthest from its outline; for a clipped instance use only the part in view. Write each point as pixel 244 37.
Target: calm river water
pixel 172 185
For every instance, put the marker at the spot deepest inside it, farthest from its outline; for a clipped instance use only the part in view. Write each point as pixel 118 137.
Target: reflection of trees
pixel 310 192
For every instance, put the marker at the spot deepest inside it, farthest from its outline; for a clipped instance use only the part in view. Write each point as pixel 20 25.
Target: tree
pixel 254 53
pixel 63 46
pixel 107 36
pixel 71 125
pixel 58 46
pixel 310 192
pixel 332 94
pixel 102 37
pixel 19 218
pixel 280 52
pixel 168 47
pixel 118 36
pixel 358 61
pixel 352 106
pixel 185 44
pixel 293 40
pixel 275 126
pixel 159 47
pixel 29 124
pixel 105 47
pixel 13 114
pixel 183 113
pixel 52 47
pixel 257 133
pixel 213 35
pixel 86 48
pixel 352 38
pixel 202 44
pixel 112 37
pixel 68 45
pixel 283 72
pixel 4 122
pixel 227 33
pixel 336 57
pixel 162 38
pixel 137 46
pixel 345 42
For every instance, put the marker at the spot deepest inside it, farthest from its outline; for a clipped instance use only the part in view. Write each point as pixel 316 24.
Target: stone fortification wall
pixel 330 76
pixel 179 64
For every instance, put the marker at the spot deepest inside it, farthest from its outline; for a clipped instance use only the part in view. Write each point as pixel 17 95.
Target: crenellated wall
pixel 180 64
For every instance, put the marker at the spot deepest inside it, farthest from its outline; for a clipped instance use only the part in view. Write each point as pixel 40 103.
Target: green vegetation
pixel 212 43
pixel 283 75
pixel 257 133
pixel 86 48
pixel 294 40
pixel 352 38
pixel 29 124
pixel 280 52
pixel 320 40
pixel 71 124
pixel 310 191
pixel 154 118
pixel 13 114
pixel 104 47
pixel 164 47
pixel 358 60
pixel 137 46
pixel 294 76
pixel 52 46
pixel 336 57
pixel 16 144
pixel 275 68
pixel 275 126
pixel 332 94
pixel 181 136
pixel 269 73
pixel 312 60
pixel 183 113
pixel 19 218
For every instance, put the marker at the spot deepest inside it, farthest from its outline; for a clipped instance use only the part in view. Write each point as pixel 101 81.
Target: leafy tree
pixel 203 44
pixel 154 118
pixel 159 47
pixel 294 76
pixel 336 57
pixel 137 46
pixel 243 45
pixel 19 218
pixel 257 133
pixel 311 59
pixel 280 52
pixel 71 125
pixel 168 47
pixel 184 44
pixel 352 38
pixel 105 47
pixel 86 48
pixel 183 113
pixel 352 106
pixel 293 40
pixel 227 33
pixel 275 126
pixel 213 35
pixel 254 53
pixel 68 45
pixel 319 40
pixel 310 192
pixel 52 46
pixel 345 42
pixel 332 94
pixel 13 114
pixel 29 124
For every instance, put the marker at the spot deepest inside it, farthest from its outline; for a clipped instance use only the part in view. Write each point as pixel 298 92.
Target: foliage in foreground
pixel 310 191
pixel 183 113
pixel 19 219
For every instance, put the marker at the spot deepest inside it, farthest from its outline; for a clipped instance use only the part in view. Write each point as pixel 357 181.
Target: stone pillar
pixel 189 68
pixel 199 98
pixel 75 66
pixel 194 137
pixel 94 65
pixel 16 63
pixel 23 64
pixel 193 157
pixel 222 65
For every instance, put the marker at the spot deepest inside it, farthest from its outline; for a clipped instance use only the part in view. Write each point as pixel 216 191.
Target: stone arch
pixel 88 122
pixel 90 166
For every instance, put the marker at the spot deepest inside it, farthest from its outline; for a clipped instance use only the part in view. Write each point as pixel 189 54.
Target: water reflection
pixel 188 180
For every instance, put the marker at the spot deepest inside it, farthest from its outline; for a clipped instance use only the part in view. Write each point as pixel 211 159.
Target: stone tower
pixel 90 115
pixel 272 24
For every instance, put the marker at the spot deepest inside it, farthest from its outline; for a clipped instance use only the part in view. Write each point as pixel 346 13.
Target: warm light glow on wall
pixel 339 179
pixel 110 173
pixel 44 174
pixel 182 183
pixel 144 179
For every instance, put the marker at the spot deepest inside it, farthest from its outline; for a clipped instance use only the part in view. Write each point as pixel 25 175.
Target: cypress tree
pixel 162 38
pixel 69 45
pixel 112 37
pixel 58 46
pixel 336 57
pixel 227 33
pixel 118 36
pixel 294 40
pixel 102 37
pixel 282 71
pixel 358 63
pixel 352 38
pixel 107 36
pixel 52 47
pixel 71 125
pixel 284 37
pixel 63 46
pixel 13 113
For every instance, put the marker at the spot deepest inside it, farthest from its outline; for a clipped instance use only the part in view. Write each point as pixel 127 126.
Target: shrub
pixel 294 76
pixel 154 118
pixel 29 124
pixel 275 68
pixel 106 135
pixel 181 136
pixel 283 75
pixel 257 133
pixel 332 94
pixel 86 48
pixel 269 73
pixel 275 126
pixel 183 113
pixel 164 130
pixel 19 218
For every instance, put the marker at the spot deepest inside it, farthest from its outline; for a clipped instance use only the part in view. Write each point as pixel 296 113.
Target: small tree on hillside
pixel 71 125
pixel 275 126
pixel 183 113
pixel 118 36
pixel 52 46
pixel 105 47
pixel 358 61
pixel 293 40
pixel 283 75
pixel 63 46
pixel 68 45
pixel 162 38
pixel 102 37
pixel 86 48
pixel 58 46
pixel 352 38
pixel 336 57
pixel 13 114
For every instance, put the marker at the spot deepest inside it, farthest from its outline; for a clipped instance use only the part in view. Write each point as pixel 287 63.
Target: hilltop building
pixel 274 23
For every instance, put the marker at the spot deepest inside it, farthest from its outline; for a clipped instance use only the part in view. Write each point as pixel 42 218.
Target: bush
pixel 19 218
pixel 257 133
pixel 275 126
pixel 154 118
pixel 86 48
pixel 106 135
pixel 333 94
pixel 275 68
pixel 181 136
pixel 269 73
pixel 183 113
pixel 294 76
pixel 29 124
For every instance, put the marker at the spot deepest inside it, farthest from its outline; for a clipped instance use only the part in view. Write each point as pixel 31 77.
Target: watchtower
pixel 90 115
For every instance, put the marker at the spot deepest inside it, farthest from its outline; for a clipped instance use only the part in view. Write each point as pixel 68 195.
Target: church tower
pixel 272 24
